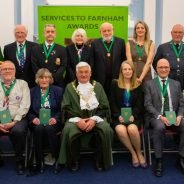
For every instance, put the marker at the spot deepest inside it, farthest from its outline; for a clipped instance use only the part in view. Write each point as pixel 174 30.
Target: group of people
pixel 79 92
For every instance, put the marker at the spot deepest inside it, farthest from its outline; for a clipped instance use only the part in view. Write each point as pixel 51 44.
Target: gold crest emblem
pixel 58 62
pixel 4 116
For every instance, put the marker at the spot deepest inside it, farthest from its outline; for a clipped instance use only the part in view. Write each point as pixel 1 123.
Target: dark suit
pixel 56 64
pixel 26 73
pixel 73 60
pixel 153 106
pixel 98 60
pixel 177 68
pixel 50 132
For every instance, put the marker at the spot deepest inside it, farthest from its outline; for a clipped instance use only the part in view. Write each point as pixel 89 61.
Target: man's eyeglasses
pixel 7 69
pixel 163 67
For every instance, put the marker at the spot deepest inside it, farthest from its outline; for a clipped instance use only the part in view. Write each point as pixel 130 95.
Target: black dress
pixel 118 100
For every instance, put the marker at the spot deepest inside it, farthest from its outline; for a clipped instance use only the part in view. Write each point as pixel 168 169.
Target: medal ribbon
pixel 139 50
pixel 20 51
pixel 105 46
pixel 47 53
pixel 43 97
pixel 177 52
pixel 163 92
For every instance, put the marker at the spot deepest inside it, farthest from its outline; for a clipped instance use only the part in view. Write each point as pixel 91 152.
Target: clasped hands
pixel 7 126
pixel 86 124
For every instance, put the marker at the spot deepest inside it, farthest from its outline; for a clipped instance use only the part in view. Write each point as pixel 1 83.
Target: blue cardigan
pixel 56 94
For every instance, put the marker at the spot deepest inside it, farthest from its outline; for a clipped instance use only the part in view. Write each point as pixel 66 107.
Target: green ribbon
pixel 163 92
pixel 127 97
pixel 43 97
pixel 177 52
pixel 47 52
pixel 139 50
pixel 7 91
pixel 19 52
pixel 106 48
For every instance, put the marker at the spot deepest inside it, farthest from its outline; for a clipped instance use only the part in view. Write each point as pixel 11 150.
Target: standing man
pixel 164 94
pixel 51 56
pixel 19 52
pixel 173 51
pixel 106 55
pixel 14 105
pixel 86 111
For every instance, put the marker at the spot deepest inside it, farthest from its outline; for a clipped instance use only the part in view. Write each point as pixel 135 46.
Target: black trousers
pixel 18 138
pixel 45 135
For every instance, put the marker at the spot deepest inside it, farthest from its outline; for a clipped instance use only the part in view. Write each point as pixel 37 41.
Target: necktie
pixel 166 99
pixel 22 60
pixel 177 46
pixel 48 47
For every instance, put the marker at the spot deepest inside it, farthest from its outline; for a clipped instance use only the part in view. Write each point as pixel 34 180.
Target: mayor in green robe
pixel 86 114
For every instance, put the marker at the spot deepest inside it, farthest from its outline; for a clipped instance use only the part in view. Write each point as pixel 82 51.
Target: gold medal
pixel 108 54
pixel 46 61
pixel 58 62
pixel 139 58
pixel 178 59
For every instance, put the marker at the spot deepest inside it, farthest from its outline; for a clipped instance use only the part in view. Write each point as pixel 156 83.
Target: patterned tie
pixel 177 46
pixel 166 99
pixel 22 60
pixel 48 47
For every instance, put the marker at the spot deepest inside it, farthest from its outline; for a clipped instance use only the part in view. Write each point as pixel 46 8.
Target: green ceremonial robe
pixel 71 108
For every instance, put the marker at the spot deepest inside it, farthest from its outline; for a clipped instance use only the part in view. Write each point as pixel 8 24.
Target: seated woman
pixel 126 92
pixel 45 98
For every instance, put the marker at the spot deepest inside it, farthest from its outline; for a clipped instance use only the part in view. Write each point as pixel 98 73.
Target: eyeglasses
pixel 163 67
pixel 7 69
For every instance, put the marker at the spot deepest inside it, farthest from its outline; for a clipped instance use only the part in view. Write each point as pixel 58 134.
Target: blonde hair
pixel 121 82
pixel 147 35
pixel 79 31
pixel 44 72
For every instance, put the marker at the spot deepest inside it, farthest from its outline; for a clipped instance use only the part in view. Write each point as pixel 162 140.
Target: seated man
pixel 164 94
pixel 14 104
pixel 84 108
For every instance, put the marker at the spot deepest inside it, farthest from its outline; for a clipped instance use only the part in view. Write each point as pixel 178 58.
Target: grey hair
pixel 18 25
pixel 82 64
pixel 43 72
pixel 49 25
pixel 79 31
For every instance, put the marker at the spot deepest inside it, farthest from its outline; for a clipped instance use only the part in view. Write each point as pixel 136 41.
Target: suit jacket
pixel 55 97
pixel 56 64
pixel 177 68
pixel 72 60
pixel 153 98
pixel 97 59
pixel 26 73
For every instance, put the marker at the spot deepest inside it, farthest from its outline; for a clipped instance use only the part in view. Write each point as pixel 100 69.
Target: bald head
pixel 163 68
pixel 177 33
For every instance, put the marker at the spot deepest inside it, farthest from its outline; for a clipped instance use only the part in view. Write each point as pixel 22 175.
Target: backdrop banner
pixel 69 18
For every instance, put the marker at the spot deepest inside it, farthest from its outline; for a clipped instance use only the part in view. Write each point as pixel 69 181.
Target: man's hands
pixel 7 126
pixel 166 122
pixel 86 124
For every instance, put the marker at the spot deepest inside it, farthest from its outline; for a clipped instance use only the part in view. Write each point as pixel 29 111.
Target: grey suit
pixel 153 106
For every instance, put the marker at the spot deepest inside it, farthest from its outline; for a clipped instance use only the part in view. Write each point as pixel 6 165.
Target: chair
pixel 118 148
pixel 168 134
pixel 7 148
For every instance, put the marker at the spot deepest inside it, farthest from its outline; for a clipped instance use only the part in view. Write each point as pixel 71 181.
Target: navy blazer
pixel 177 68
pixel 56 64
pixel 26 73
pixel 56 94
